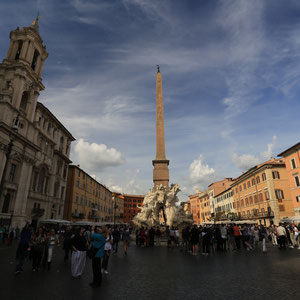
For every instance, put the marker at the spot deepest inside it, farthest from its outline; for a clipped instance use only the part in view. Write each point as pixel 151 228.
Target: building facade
pixel 34 145
pixel 86 198
pixel 262 194
pixel 291 158
pixel 200 207
pixel 224 205
pixel 132 206
pixel 118 206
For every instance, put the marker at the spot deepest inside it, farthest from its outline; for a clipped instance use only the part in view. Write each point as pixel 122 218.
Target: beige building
pixel 262 194
pixel 34 145
pixel 87 199
pixel 224 205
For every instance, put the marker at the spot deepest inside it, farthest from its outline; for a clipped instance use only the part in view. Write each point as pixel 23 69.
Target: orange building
pixel 291 158
pixel 200 207
pixel 86 198
pixel 131 206
pixel 262 193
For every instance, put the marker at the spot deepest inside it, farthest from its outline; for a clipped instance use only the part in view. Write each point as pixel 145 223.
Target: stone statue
pixel 162 199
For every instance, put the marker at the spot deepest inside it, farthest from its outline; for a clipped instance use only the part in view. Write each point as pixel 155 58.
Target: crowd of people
pixel 225 237
pixel 99 243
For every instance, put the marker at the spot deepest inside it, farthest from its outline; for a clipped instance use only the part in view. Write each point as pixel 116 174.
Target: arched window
pixel 42 176
pixel 20 44
pixel 34 60
pixel 6 204
pixel 24 101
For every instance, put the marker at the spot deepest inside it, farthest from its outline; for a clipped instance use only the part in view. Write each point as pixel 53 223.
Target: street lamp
pixel 15 128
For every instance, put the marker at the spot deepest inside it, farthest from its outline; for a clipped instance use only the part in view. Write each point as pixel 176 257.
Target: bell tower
pixel 21 74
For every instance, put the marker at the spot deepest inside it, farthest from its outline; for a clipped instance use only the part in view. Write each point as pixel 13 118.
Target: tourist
pixel 237 236
pixel 126 240
pixel 79 247
pixel 151 237
pixel 246 232
pixel 23 247
pixel 281 233
pixel 273 229
pixel 194 239
pixel 223 237
pixel 98 242
pixel 206 240
pixel 37 249
pixel 107 251
pixel 262 237
pixel 255 234
pixel 67 242
pixel 116 239
pixel 295 235
pixel 230 233
pixel 52 242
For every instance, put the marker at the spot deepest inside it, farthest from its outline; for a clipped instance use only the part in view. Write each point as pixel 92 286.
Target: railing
pixel 79 216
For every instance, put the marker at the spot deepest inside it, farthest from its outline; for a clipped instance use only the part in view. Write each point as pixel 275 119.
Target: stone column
pixel 19 215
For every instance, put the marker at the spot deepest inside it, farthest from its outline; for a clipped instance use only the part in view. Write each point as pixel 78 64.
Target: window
pixel 6 203
pixel 246 200
pixel 81 200
pixel 253 181
pixel 281 208
pixel 255 199
pixel 264 177
pixel 42 176
pixel 62 192
pixel 248 184
pixel 78 173
pixel 279 195
pixel 275 175
pixel 267 195
pixel 244 186
pixel 298 198
pixel 34 60
pixel 24 101
pixel 12 172
pixel 34 182
pixel 257 179
pixel 293 163
pixel 240 188
pixel 236 190
pixel 56 189
pixel 77 199
pixel 260 197
pixel 18 53
pixel 297 182
pixel 78 183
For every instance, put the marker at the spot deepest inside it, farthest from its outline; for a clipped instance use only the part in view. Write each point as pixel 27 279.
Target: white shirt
pixel 108 245
pixel 281 230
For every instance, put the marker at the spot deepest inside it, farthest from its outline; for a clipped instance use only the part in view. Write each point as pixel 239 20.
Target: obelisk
pixel 160 163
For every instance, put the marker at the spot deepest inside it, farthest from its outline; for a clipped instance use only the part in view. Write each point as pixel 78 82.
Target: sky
pixel 230 73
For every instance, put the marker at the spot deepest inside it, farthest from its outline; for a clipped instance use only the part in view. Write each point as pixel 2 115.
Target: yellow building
pixel 263 194
pixel 86 198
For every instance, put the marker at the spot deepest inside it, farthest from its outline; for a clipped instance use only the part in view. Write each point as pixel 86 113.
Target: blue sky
pixel 230 74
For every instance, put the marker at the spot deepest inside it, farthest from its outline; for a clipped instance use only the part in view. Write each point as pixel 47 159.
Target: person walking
pixel 22 247
pixel 195 239
pixel 237 236
pixel 98 242
pixel 107 251
pixel 78 259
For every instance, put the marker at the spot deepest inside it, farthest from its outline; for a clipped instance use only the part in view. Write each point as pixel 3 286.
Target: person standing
pixel 67 242
pixel 195 239
pixel 37 248
pixel 79 247
pixel 116 239
pixel 237 236
pixel 52 243
pixel 126 240
pixel 22 247
pixel 223 237
pixel 98 242
pixel 281 233
pixel 107 251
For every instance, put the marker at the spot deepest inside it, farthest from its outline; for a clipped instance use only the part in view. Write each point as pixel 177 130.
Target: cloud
pixel 96 157
pixel 246 161
pixel 201 175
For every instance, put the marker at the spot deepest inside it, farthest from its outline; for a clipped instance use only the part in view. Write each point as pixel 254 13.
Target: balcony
pixel 78 216
pixel 93 216
pixel 38 212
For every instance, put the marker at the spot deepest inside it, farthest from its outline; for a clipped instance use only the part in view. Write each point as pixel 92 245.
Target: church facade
pixel 34 144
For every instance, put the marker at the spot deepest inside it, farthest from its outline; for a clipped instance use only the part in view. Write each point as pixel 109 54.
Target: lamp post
pixel 15 127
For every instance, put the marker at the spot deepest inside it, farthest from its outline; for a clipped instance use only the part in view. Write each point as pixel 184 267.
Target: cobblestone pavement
pixel 161 273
